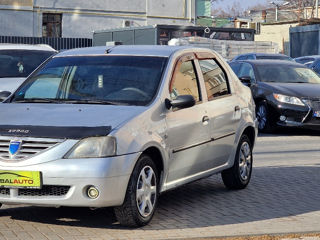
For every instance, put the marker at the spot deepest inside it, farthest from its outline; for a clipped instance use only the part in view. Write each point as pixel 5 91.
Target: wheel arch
pixel 251 133
pixel 158 159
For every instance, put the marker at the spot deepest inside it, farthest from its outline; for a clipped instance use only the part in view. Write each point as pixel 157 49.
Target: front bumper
pixel 65 182
pixel 297 116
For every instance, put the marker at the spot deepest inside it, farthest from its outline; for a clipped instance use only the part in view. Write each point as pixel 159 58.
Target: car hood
pixel 10 84
pixel 62 120
pixel 306 90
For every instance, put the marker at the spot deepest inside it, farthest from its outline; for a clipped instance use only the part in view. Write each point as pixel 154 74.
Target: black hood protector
pixel 54 132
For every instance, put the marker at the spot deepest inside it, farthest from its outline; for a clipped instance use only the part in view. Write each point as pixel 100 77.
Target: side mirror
pixel 246 80
pixel 182 101
pixel 4 95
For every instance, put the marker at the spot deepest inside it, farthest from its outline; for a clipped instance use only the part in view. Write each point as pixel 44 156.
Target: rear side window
pixel 185 81
pixel 250 57
pixel 317 66
pixel 20 63
pixel 304 60
pixel 215 79
pixel 275 57
pixel 242 58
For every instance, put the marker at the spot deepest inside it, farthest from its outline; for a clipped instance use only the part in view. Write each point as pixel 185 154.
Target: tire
pixel 239 175
pixel 265 118
pixel 142 195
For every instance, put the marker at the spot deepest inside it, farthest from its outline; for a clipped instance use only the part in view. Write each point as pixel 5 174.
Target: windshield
pixel 287 74
pixel 20 63
pixel 128 80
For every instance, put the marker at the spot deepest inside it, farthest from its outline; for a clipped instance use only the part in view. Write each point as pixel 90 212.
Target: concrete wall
pixel 81 17
pixel 278 33
pixel 16 23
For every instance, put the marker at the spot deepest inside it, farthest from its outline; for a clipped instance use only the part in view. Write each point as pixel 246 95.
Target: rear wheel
pixel 239 175
pixel 141 196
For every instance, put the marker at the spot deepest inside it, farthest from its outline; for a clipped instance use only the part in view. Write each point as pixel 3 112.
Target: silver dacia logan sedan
pixel 118 126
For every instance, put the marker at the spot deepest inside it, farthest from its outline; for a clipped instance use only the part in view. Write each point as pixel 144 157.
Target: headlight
pixel 93 147
pixel 288 99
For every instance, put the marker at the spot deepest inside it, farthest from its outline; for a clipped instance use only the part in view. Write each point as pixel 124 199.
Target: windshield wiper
pixel 36 100
pixel 71 101
pixel 88 101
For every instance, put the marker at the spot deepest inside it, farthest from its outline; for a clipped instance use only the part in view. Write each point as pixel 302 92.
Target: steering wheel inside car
pixel 137 90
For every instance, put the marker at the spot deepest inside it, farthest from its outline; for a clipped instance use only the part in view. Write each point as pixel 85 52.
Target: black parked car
pixel 312 62
pixel 286 93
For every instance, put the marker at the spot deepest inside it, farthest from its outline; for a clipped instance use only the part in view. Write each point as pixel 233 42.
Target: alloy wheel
pixel 146 191
pixel 262 117
pixel 245 161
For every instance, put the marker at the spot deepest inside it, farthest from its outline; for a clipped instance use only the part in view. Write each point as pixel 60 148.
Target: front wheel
pixel 265 123
pixel 239 175
pixel 141 196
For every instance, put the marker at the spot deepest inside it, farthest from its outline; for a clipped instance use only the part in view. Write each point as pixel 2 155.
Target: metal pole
pixel 317 8
pixel 276 13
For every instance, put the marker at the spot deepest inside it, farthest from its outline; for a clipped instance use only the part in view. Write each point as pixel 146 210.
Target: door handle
pixel 236 108
pixel 205 120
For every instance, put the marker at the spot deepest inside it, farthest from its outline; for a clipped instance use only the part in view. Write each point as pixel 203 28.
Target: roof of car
pixel 272 62
pixel 38 47
pixel 143 50
pixel 311 56
pixel 270 54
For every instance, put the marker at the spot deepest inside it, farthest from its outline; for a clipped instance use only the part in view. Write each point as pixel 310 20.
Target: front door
pixel 188 129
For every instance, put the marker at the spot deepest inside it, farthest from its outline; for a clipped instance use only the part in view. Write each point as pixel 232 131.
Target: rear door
pixel 222 107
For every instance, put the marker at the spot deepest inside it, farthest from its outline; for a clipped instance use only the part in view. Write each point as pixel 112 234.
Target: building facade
pixel 79 18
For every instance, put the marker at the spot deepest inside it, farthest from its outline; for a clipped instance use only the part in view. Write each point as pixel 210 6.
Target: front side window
pixel 185 81
pixel 20 63
pixel 235 67
pixel 214 78
pixel 128 80
pixel 246 71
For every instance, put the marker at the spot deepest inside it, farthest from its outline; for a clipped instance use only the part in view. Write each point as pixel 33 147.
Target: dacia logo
pixel 14 147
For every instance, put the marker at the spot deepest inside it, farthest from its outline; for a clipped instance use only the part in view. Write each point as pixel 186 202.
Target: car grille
pixel 315 104
pixel 46 190
pixel 28 148
pixel 4 191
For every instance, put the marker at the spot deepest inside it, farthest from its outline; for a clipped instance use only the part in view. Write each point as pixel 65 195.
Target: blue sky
pixel 244 3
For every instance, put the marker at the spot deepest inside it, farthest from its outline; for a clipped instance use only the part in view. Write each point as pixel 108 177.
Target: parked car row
pixel 286 93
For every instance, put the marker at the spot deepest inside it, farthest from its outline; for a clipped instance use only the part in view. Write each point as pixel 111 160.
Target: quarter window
pixel 185 81
pixel 215 79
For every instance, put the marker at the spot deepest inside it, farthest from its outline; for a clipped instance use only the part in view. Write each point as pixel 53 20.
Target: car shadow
pixel 274 192
pixel 280 132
